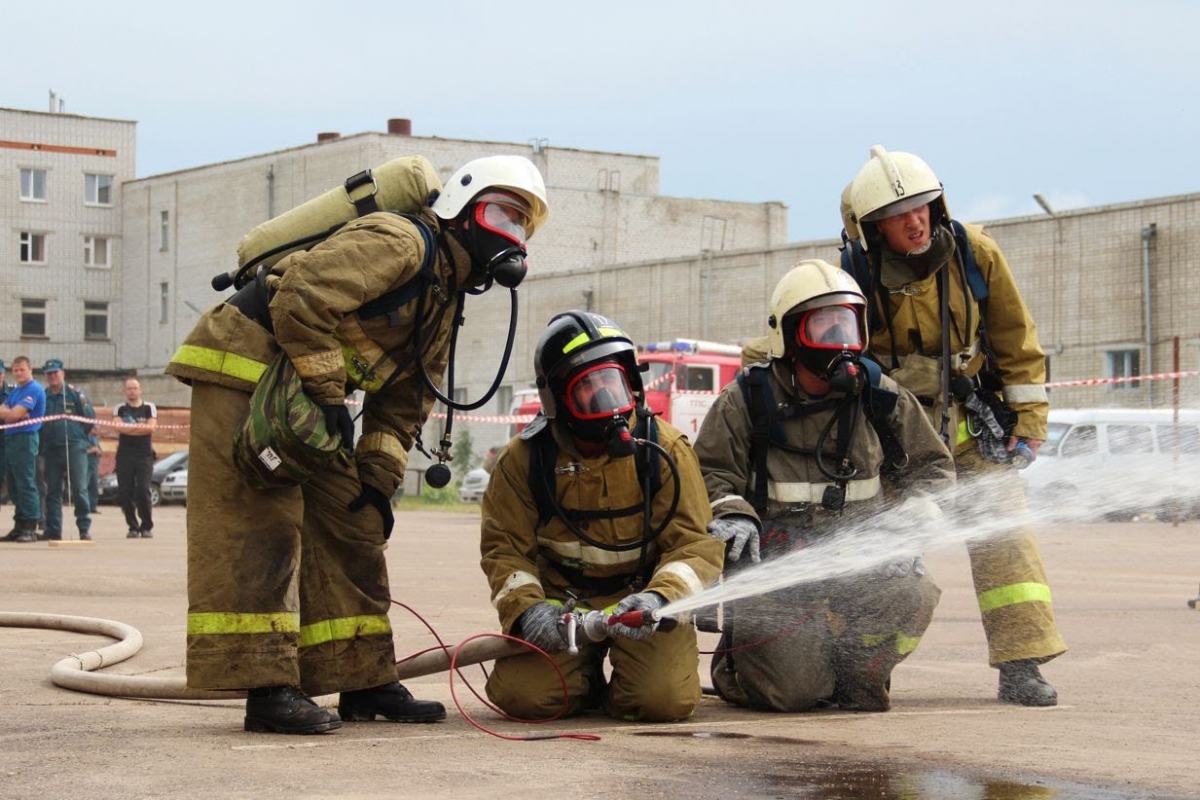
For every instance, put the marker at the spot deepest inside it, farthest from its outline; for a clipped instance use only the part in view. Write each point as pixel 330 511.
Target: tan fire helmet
pixel 892 183
pixel 808 285
pixel 849 223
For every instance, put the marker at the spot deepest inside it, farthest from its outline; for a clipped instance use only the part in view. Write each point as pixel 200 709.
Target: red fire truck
pixel 683 380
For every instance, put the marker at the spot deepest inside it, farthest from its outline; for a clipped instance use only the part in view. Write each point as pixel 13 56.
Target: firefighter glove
pixel 736 531
pixel 646 603
pixel 384 505
pixel 542 626
pixel 338 423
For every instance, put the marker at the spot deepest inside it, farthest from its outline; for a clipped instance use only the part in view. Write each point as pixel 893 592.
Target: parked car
pixel 1117 463
pixel 162 468
pixel 174 487
pixel 472 486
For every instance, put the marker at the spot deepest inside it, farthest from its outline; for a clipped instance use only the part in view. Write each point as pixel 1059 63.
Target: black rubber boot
pixel 1022 683
pixel 286 709
pixel 26 531
pixel 390 701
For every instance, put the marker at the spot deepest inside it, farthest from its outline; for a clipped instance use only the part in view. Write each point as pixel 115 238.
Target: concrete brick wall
pixel 1080 275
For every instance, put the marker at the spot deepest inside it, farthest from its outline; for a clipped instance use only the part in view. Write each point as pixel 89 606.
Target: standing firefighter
pixel 583 513
pixel 797 453
pixel 288 587
pixel 952 327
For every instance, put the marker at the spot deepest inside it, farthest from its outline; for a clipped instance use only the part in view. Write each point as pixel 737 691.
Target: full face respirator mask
pixel 599 403
pixel 829 345
pixel 495 237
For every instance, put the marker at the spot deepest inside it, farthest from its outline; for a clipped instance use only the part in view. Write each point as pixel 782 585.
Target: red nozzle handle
pixel 638 619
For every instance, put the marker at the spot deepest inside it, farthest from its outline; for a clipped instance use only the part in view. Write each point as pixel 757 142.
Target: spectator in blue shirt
pixel 27 401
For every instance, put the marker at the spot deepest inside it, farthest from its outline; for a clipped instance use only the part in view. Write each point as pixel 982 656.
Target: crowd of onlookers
pixel 50 452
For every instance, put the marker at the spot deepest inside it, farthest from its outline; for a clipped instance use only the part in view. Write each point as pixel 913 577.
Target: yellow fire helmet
pixel 890 184
pixel 808 285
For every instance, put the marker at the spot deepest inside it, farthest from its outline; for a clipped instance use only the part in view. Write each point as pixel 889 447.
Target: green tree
pixel 465 458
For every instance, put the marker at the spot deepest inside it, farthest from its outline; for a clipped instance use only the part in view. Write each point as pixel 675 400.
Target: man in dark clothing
pixel 135 459
pixel 64 451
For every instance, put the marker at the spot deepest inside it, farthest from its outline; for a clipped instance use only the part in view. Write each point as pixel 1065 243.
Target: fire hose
pixel 79 671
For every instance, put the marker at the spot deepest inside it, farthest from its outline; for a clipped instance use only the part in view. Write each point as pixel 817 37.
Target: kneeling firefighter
pixel 287 586
pixel 596 506
pixel 799 448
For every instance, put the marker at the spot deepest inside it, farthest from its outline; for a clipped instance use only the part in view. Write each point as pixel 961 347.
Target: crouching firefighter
pixel 596 507
pixel 287 586
pixel 811 443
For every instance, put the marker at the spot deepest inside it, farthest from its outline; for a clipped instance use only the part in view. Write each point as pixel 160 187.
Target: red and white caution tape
pixel 1098 381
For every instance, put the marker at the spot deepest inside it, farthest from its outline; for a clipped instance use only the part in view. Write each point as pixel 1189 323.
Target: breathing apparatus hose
pixel 647 535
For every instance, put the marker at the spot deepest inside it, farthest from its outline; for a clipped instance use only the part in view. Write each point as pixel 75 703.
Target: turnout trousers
pixel 1010 580
pixel 653 680
pixel 834 641
pixel 285 587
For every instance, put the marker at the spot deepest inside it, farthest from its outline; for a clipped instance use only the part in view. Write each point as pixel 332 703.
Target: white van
pixel 1122 461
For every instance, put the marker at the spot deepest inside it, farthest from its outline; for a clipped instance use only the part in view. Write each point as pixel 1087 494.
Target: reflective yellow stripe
pixel 219 622
pixel 334 630
pixel 231 364
pixel 576 342
pixel 963 433
pixel 906 644
pixel 585 337
pixel 1012 594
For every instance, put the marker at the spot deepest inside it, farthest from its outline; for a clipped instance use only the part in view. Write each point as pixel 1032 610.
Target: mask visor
pixel 599 392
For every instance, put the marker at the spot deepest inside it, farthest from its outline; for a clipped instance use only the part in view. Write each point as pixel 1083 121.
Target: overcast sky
pixel 1086 103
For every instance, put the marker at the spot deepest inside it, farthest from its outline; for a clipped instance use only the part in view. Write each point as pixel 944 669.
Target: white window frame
pixel 95 310
pixel 97 251
pixel 29 185
pixel 1123 363
pixel 96 185
pixel 32 308
pixel 33 244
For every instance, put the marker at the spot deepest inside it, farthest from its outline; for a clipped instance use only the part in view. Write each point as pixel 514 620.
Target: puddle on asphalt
pixel 828 777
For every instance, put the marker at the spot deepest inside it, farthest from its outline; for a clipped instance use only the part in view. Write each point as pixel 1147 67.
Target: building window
pixel 504 398
pixel 97 189
pixel 164 230
pixel 33 248
pixel 33 185
pixel 164 301
pixel 95 251
pixel 33 317
pixel 95 320
pixel 1124 364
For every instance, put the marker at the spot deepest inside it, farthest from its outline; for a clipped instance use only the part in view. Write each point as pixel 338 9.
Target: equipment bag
pixel 283 441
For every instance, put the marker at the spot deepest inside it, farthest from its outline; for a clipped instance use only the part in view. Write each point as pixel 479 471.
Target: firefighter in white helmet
pixel 796 453
pixel 288 589
pixel 949 323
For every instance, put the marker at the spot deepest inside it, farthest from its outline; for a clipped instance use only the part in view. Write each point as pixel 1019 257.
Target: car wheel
pixel 155 495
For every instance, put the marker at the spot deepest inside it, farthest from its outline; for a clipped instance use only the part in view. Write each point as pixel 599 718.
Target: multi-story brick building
pixel 61 179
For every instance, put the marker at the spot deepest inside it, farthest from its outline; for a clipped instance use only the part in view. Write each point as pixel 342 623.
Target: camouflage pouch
pixel 284 440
